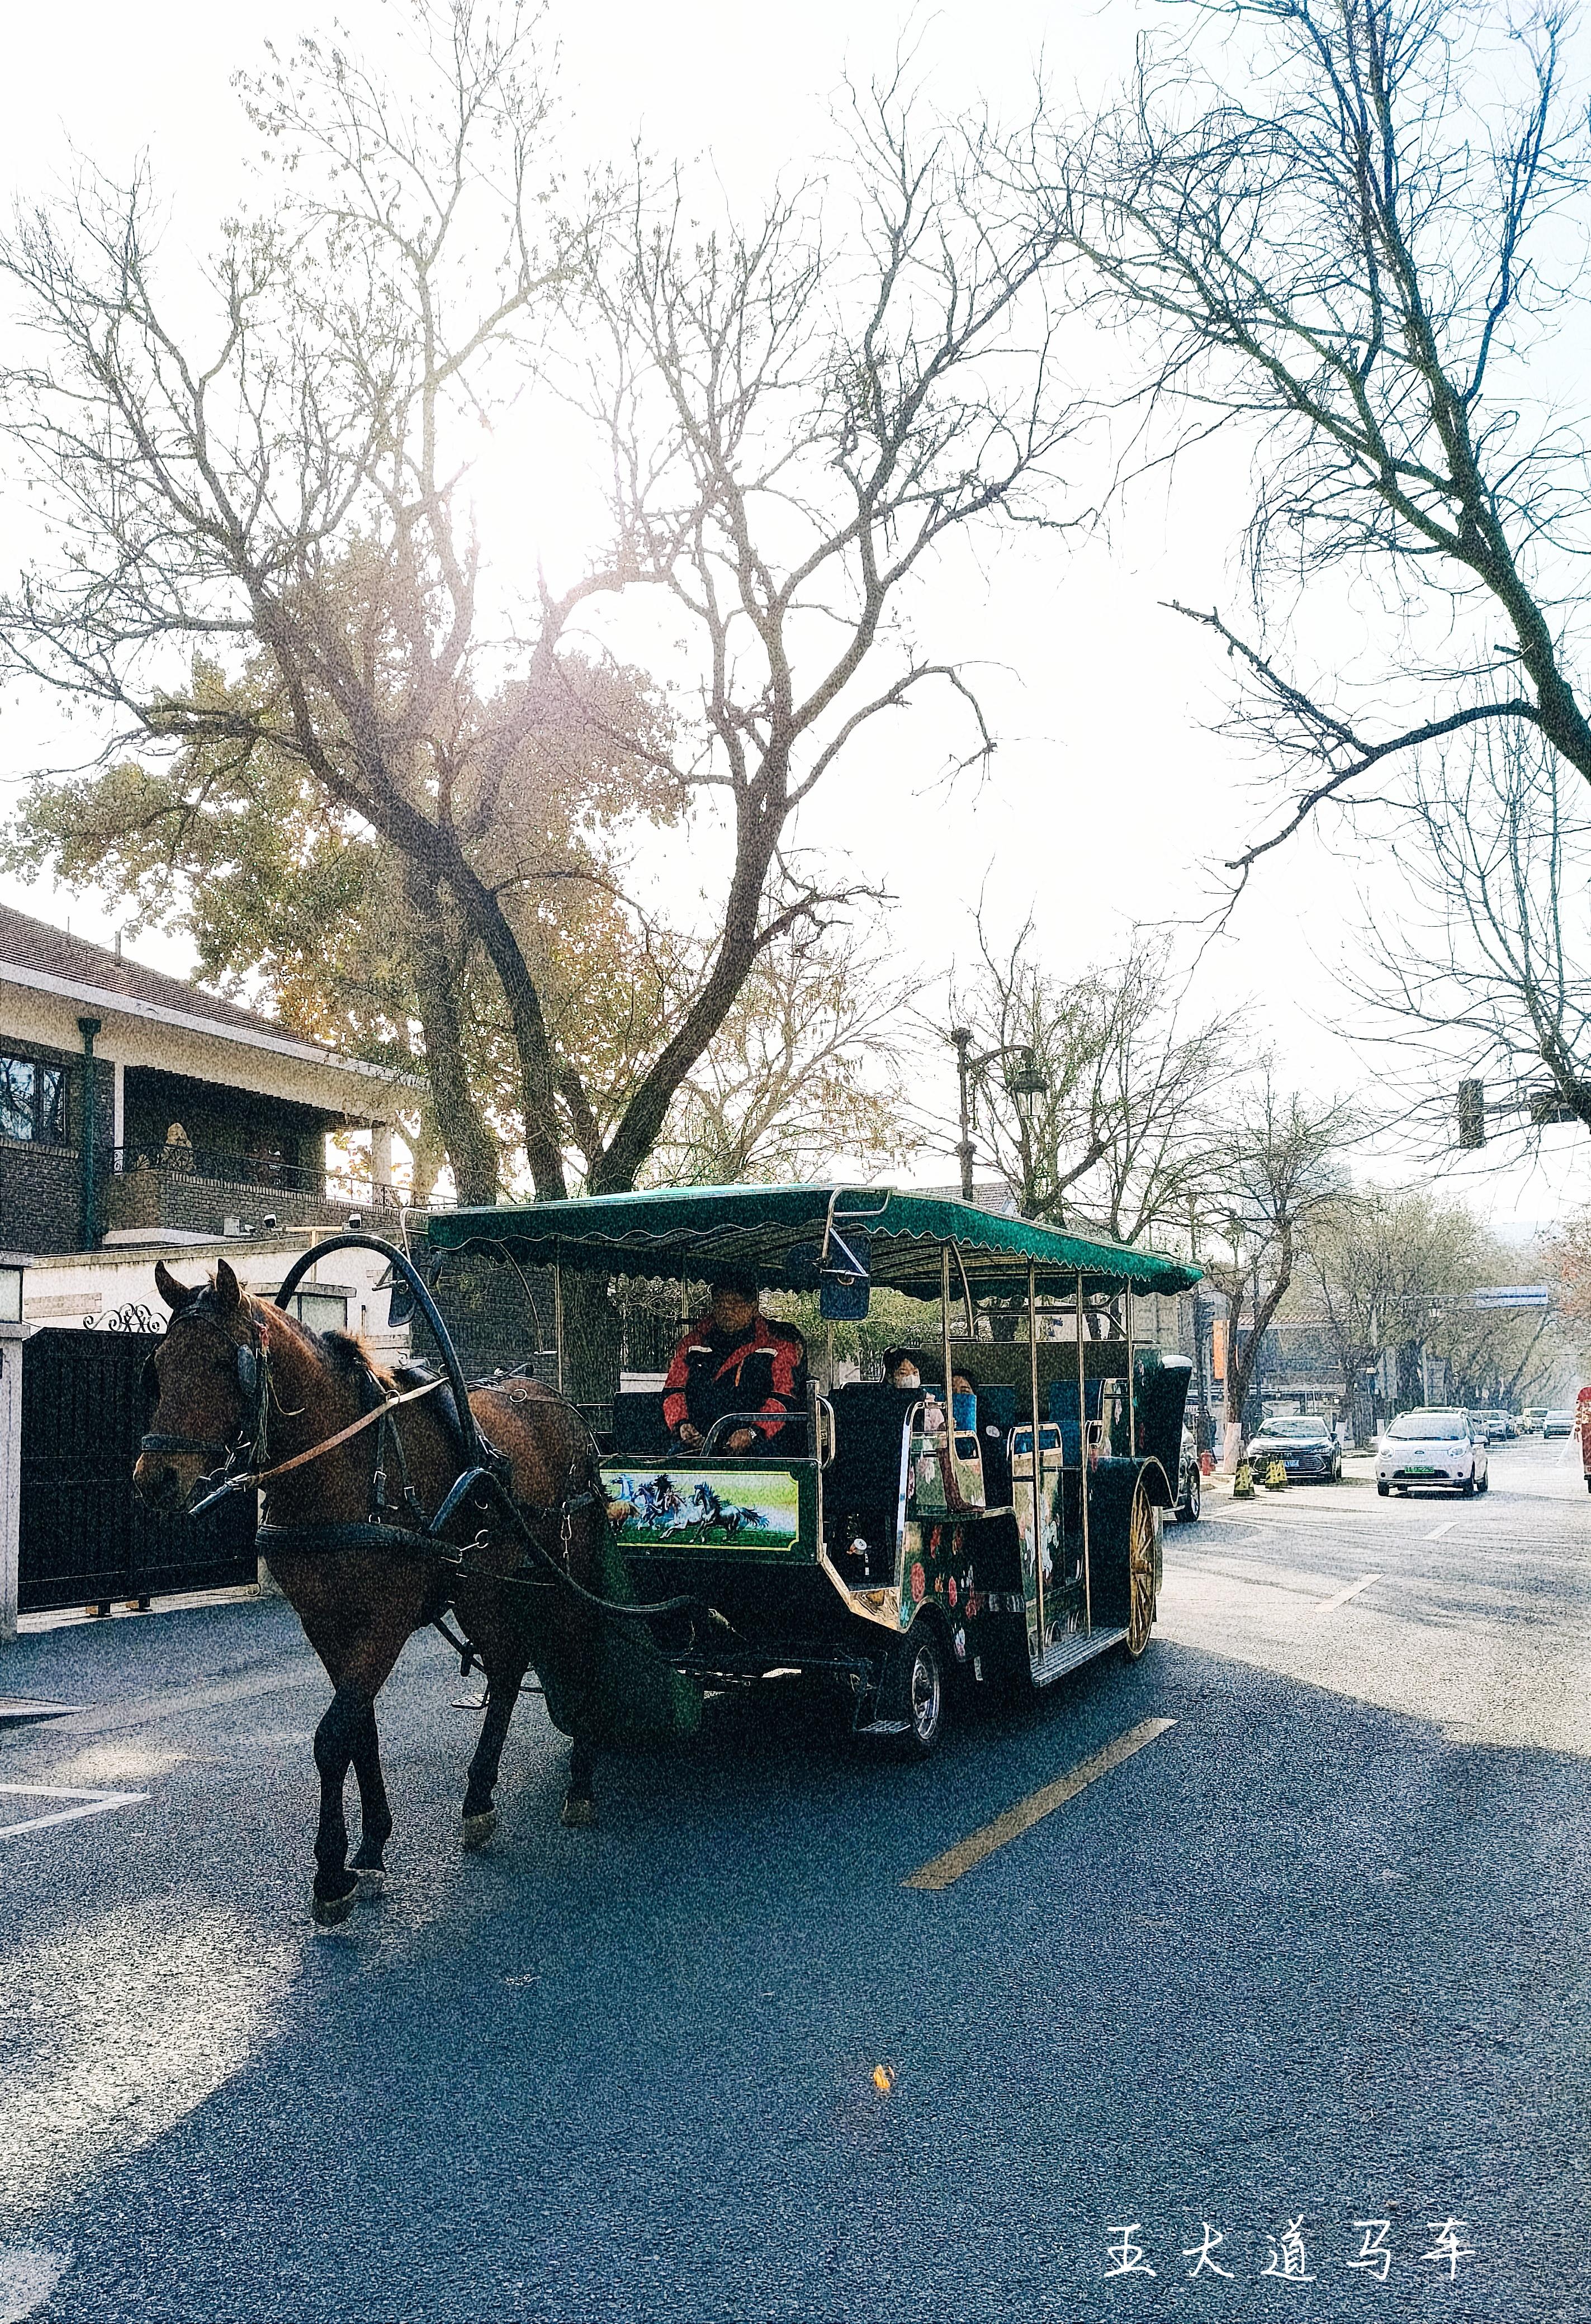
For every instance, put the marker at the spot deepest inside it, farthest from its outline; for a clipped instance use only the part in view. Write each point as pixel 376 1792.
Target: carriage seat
pixel 869 1420
pixel 638 1425
pixel 862 1485
pixel 996 1418
pixel 1063 1411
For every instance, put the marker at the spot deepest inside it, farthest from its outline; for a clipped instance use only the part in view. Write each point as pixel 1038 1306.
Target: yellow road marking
pixel 971 1851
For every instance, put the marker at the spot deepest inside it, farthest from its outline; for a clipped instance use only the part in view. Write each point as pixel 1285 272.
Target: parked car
pixel 1501 1428
pixel 1558 1423
pixel 1307 1450
pixel 1190 1482
pixel 1530 1420
pixel 1447 1449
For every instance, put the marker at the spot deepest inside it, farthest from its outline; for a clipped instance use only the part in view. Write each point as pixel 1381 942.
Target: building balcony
pixel 180 1191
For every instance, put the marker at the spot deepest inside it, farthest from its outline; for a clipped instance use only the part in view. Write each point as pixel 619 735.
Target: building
pixel 134 1106
pixel 142 1119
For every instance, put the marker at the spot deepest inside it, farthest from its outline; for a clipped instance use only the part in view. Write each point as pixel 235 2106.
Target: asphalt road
pixel 1316 1953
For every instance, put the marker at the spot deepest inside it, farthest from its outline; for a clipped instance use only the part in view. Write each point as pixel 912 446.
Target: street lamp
pixel 1025 1077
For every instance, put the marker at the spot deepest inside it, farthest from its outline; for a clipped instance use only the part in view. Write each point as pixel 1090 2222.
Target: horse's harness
pixel 244 1464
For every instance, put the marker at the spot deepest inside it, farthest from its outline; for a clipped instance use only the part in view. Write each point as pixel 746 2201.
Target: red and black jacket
pixel 762 1370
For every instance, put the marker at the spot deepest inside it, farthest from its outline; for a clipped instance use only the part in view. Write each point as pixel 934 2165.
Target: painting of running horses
pixel 752 1508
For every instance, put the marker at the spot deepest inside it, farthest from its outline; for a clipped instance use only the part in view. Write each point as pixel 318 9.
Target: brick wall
pixel 40 1197
pixel 160 1198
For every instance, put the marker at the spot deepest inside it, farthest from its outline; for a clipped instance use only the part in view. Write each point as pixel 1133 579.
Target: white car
pixel 1443 1449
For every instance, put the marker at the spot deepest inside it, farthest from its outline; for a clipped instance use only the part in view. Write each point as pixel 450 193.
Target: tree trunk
pixel 1243 1359
pixel 472 1149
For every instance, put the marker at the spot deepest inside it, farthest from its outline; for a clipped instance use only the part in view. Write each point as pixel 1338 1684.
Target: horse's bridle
pixel 244 1446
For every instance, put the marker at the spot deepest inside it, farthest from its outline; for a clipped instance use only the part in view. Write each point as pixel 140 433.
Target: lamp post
pixel 1026 1078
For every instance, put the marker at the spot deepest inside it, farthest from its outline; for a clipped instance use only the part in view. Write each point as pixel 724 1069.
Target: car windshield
pixel 1428 1425
pixel 1295 1432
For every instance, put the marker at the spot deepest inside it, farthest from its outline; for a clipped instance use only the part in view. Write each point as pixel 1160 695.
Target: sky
pixel 1109 792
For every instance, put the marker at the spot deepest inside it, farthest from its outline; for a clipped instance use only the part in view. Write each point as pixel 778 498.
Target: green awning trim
pixel 689 1230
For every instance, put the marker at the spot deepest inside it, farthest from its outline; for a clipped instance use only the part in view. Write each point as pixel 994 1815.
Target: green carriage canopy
pixel 771 1231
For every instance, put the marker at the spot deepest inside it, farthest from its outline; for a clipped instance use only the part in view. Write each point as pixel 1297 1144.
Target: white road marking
pixel 1437 1531
pixel 90 1803
pixel 1328 1604
pixel 27 2278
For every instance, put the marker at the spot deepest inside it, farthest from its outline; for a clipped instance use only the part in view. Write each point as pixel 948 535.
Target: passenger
pixel 735 1360
pixel 902 1368
pixel 964 1399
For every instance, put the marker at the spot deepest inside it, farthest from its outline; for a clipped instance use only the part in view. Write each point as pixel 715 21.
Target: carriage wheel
pixel 924 1683
pixel 1140 1574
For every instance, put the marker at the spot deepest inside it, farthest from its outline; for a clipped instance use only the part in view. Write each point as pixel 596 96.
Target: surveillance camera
pixel 355 1218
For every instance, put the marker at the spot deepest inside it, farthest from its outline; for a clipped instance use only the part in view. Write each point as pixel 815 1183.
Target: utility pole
pixel 1255 1387
pixel 1200 1378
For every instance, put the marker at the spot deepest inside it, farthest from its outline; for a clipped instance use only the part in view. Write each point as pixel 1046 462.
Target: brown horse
pixel 237 1374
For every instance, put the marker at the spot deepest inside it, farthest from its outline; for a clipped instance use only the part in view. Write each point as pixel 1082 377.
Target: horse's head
pixel 201 1386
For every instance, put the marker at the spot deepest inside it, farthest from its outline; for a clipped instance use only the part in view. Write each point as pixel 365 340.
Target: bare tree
pixel 808 1066
pixel 798 417
pixel 1356 251
pixel 1277 1167
pixel 1485 962
pixel 1121 1134
pixel 792 422
pixel 1396 1271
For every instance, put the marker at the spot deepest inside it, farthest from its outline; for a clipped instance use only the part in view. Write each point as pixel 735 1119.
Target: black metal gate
pixel 86 1538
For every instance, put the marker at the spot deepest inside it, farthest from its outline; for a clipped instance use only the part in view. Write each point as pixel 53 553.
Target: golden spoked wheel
pixel 1140 1574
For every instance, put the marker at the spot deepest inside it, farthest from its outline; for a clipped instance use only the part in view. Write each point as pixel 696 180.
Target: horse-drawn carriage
pixel 895 1538
pixel 893 1541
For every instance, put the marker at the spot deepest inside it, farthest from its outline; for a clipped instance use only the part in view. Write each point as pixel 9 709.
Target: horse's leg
pixel 579 1812
pixel 335 1887
pixel 342 1733
pixel 503 1684
pixel 335 1739
pixel 375 1817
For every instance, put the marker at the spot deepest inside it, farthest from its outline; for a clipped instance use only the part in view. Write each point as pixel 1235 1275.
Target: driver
pixel 735 1358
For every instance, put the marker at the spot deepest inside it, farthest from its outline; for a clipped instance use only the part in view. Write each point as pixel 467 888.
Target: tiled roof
pixel 29 944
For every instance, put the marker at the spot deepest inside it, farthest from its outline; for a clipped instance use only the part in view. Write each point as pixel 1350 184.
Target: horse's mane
pixel 344 1351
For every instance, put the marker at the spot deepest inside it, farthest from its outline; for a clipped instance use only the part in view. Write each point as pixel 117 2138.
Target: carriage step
pixel 1068 1654
pixel 886 1727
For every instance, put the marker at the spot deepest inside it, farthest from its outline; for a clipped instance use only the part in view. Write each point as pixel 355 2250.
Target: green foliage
pixel 299 907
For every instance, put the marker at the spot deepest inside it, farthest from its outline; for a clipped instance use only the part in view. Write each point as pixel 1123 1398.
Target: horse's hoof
pixel 373 1881
pixel 331 1912
pixel 577 1815
pixel 478 1828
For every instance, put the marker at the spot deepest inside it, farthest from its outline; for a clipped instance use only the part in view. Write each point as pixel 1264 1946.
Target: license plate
pixel 1419 1473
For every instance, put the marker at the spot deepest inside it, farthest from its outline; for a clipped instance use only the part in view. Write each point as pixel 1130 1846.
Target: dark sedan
pixel 1307 1450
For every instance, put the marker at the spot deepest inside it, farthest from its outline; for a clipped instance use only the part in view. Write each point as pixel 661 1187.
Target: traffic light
pixel 1472 1114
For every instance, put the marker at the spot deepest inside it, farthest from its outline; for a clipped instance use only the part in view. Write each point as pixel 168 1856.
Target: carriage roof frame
pixel 771 1231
